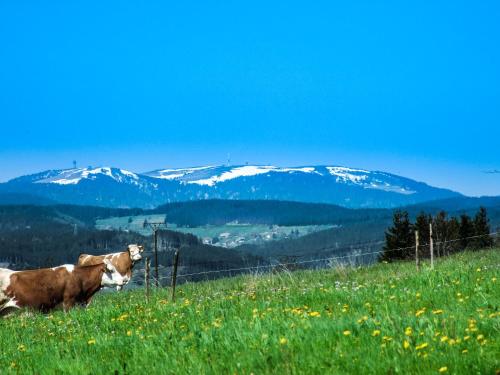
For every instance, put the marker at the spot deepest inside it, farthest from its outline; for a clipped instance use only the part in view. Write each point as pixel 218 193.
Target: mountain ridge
pixel 117 187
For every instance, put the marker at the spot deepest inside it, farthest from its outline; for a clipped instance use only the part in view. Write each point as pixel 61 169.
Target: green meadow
pixel 228 233
pixel 386 318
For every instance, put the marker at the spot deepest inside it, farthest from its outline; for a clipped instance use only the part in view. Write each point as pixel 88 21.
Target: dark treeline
pixel 450 234
pixel 219 212
pixel 357 238
pixel 284 213
pixel 54 244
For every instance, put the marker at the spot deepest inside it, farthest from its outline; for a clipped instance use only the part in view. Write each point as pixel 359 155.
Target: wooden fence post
pixel 157 278
pixel 146 279
pixel 431 245
pixel 174 273
pixel 417 260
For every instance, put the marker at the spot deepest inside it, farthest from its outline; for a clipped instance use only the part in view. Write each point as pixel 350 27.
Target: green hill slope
pixel 383 319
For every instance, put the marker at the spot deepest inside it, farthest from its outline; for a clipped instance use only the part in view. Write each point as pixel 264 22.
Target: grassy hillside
pixel 382 319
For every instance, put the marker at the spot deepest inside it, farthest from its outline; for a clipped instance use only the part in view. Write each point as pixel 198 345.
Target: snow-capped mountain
pixel 115 187
pixel 210 176
pixel 76 175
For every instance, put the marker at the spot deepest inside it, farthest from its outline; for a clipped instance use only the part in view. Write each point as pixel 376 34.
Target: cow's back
pixel 40 289
pixel 90 260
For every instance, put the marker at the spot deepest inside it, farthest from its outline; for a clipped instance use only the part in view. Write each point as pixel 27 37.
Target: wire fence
pixel 272 264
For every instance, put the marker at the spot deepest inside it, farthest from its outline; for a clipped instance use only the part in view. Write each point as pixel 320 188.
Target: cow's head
pixel 135 252
pixel 111 277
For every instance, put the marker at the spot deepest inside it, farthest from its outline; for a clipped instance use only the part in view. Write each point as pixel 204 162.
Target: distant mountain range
pixel 115 187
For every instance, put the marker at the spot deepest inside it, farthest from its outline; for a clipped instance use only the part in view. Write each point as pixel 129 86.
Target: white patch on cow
pixel 111 277
pixel 69 267
pixel 5 301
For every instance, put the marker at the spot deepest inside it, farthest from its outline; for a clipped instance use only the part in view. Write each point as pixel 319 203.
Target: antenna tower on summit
pixel 74 164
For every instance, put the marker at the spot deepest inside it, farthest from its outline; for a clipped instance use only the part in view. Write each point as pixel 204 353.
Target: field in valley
pixel 229 235
pixel 382 319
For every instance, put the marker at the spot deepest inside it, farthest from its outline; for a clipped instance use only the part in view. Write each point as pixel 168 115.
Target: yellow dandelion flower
pixel 480 337
pixel 451 341
pixel 283 341
pixel 129 333
pixel 314 314
pixel 443 369
pixel 362 319
pixel 376 332
pixel 347 332
pixel 408 331
pixel 444 338
pixel 13 364
pixel 91 342
pixel 123 317
pixel 436 312
pixel 422 346
pixel 21 348
pixel 493 279
pixel 406 344
pixel 465 351
pixel 420 312
pixel 418 295
pixel 466 338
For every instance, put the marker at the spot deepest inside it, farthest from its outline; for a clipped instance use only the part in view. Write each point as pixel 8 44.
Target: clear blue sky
pixel 412 89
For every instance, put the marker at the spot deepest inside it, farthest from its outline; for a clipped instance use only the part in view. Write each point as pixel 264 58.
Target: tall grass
pixel 383 319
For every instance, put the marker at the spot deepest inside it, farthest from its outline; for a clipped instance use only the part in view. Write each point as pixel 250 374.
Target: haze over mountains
pixel 116 187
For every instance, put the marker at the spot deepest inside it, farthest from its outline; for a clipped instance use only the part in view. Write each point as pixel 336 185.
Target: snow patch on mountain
pixel 348 174
pixel 75 175
pixel 174 174
pixel 247 171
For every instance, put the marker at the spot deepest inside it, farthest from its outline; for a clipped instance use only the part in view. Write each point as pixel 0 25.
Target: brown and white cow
pixel 48 288
pixel 123 261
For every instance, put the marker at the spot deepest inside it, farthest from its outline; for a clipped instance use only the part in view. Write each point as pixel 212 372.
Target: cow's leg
pixel 87 302
pixel 5 312
pixel 68 303
pixel 8 308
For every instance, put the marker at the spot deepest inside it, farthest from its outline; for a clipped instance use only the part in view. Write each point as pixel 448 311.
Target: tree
pixel 465 231
pixel 481 228
pixel 422 225
pixel 399 236
pixel 453 243
pixel 440 232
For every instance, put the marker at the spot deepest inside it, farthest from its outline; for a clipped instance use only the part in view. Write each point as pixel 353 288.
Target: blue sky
pixel 412 89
